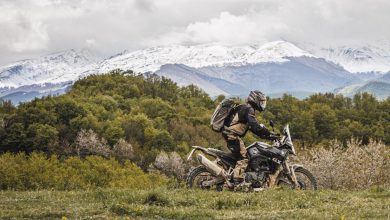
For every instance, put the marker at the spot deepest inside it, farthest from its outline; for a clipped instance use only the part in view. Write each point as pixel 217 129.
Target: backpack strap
pixel 230 118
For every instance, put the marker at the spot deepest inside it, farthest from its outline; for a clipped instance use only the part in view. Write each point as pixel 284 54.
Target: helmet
pixel 258 100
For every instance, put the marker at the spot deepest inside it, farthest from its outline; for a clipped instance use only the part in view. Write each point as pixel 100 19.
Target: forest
pixel 152 113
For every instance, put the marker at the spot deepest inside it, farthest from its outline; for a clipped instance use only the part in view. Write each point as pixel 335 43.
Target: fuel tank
pixel 265 151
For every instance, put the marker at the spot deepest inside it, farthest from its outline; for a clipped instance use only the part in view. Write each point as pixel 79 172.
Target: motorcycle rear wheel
pixel 199 175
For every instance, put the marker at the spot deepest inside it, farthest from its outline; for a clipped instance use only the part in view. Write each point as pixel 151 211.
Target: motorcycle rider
pixel 241 120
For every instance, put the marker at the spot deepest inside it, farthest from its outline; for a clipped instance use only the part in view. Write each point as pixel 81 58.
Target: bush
pixel 89 143
pixel 356 166
pixel 170 165
pixel 36 171
pixel 122 151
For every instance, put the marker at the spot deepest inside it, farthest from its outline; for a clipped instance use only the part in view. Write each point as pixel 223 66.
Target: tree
pixel 14 138
pixel 159 139
pixel 67 109
pixel 134 127
pixel 42 137
pixel 303 127
pixel 112 133
pixel 325 121
pixel 154 108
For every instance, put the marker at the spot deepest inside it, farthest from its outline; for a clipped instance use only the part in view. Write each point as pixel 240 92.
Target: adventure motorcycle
pixel 268 166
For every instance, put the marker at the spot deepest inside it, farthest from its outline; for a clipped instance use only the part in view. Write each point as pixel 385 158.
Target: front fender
pixel 293 167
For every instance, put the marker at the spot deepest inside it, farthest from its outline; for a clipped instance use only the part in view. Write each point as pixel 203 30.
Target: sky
pixel 31 28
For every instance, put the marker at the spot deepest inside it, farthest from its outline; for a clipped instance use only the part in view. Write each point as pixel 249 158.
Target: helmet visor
pixel 263 104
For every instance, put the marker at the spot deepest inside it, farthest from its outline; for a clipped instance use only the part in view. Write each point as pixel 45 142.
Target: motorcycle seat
pixel 223 154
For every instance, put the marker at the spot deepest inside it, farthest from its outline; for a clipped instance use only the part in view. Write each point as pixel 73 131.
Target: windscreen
pixel 288 139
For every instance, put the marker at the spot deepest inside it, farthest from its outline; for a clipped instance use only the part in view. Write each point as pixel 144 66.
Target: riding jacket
pixel 242 119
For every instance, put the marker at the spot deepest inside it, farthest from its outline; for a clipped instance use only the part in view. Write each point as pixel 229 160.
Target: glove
pixel 274 136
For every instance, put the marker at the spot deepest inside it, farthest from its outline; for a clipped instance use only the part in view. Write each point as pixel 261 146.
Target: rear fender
pixel 204 150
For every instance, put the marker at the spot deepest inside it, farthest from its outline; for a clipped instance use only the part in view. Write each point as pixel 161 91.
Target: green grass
pixel 189 204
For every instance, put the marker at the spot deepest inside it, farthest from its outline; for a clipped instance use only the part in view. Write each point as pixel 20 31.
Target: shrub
pixel 89 143
pixel 36 171
pixel 123 151
pixel 356 166
pixel 170 165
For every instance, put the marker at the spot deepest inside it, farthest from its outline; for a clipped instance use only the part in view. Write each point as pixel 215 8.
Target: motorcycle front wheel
pixel 199 177
pixel 306 180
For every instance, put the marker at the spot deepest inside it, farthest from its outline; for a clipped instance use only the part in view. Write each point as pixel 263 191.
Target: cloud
pixel 301 21
pixel 146 5
pixel 30 28
pixel 228 29
pixel 26 35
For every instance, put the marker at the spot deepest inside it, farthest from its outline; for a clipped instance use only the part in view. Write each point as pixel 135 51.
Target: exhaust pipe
pixel 210 165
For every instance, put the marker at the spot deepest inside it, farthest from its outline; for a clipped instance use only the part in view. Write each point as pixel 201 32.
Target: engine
pixel 255 178
pixel 259 166
pixel 263 159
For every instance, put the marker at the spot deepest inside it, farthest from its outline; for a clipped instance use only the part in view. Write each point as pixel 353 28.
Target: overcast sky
pixel 30 28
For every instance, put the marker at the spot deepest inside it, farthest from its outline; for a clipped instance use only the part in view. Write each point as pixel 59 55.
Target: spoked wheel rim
pixel 198 178
pixel 304 182
pixel 305 179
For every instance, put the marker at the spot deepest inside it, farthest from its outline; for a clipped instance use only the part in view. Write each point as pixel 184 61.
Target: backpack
pixel 222 112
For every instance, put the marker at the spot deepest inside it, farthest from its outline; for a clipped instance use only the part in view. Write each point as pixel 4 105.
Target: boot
pixel 239 170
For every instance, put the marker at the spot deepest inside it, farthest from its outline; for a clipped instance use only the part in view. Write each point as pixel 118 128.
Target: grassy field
pixel 189 204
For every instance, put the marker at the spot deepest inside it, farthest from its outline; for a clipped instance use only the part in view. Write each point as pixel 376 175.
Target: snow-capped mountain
pixel 358 59
pixel 275 67
pixel 151 59
pixel 54 68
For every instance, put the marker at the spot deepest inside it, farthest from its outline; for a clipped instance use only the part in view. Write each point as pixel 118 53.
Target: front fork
pixel 291 172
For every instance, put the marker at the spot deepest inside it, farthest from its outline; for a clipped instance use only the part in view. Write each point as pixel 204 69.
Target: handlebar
pixel 274 136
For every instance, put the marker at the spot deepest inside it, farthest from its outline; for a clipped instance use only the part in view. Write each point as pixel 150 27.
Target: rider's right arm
pixel 257 128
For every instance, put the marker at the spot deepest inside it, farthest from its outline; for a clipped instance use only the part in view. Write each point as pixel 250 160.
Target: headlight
pixel 284 153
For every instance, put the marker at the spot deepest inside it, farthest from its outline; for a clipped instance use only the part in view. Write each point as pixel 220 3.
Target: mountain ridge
pixel 209 66
pixel 357 58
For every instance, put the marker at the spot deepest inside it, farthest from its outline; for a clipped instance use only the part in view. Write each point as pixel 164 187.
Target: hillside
pixel 385 78
pixel 91 148
pixel 380 89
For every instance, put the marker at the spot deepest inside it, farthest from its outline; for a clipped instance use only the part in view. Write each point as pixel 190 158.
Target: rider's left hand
pixel 274 136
